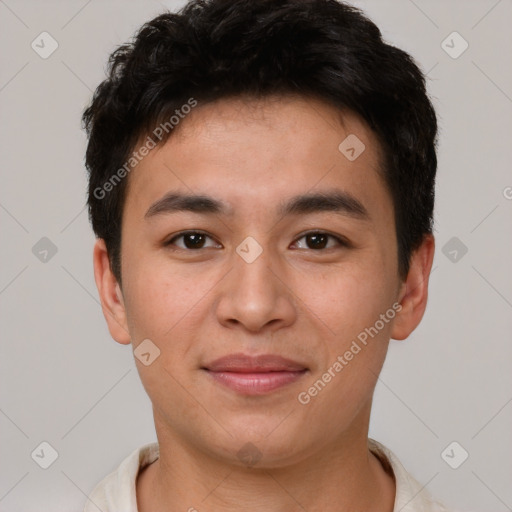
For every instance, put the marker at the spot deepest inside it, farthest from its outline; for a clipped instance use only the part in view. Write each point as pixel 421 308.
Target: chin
pixel 260 446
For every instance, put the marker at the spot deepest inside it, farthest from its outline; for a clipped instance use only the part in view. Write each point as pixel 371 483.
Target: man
pixel 261 185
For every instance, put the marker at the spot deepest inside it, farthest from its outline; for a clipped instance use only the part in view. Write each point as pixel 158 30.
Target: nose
pixel 256 295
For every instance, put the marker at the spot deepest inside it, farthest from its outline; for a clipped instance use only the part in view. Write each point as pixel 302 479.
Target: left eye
pixel 319 240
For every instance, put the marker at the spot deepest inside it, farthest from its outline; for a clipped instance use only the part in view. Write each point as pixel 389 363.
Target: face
pixel 291 252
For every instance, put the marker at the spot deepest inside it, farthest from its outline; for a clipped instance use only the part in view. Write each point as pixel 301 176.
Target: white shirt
pixel 117 491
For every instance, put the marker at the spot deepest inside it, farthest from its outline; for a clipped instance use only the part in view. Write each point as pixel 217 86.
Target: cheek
pixel 166 301
pixel 350 297
pixel 164 307
pixel 350 304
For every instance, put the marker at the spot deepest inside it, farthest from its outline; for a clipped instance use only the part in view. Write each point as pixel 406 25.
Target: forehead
pixel 252 153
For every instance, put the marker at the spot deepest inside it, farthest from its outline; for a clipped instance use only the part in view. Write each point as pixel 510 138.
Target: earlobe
pixel 413 293
pixel 111 296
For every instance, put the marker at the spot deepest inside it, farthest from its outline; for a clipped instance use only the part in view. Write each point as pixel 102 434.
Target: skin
pixel 294 300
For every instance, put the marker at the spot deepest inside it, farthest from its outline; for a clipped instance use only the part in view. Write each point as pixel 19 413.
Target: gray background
pixel 66 382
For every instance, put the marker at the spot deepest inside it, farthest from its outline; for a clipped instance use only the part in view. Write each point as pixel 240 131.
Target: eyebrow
pixel 336 201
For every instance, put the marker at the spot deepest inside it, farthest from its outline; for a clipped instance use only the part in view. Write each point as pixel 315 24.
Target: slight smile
pixel 255 375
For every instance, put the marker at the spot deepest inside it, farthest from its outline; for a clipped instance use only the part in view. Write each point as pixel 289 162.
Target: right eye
pixel 192 240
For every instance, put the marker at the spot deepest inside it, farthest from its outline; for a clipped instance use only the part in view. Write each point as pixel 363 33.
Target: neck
pixel 344 475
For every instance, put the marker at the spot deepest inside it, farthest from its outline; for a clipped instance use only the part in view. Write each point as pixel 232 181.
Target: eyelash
pixel 341 241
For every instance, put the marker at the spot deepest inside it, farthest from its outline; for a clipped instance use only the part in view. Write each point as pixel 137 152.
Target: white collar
pixel 117 491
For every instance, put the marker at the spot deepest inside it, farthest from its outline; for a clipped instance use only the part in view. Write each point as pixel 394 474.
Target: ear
pixel 413 293
pixel 111 296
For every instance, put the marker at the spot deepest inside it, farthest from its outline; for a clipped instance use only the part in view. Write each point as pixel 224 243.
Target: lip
pixel 242 363
pixel 255 375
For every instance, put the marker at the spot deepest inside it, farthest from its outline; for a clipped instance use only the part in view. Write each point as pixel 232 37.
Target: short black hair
pixel 216 49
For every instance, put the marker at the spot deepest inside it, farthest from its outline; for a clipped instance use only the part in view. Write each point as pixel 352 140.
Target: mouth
pixel 255 375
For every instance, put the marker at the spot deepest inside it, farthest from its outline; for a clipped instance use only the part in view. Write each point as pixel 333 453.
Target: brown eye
pixel 191 240
pixel 319 240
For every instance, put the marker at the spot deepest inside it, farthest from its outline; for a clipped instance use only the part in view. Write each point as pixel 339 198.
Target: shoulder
pixel 117 491
pixel 410 496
